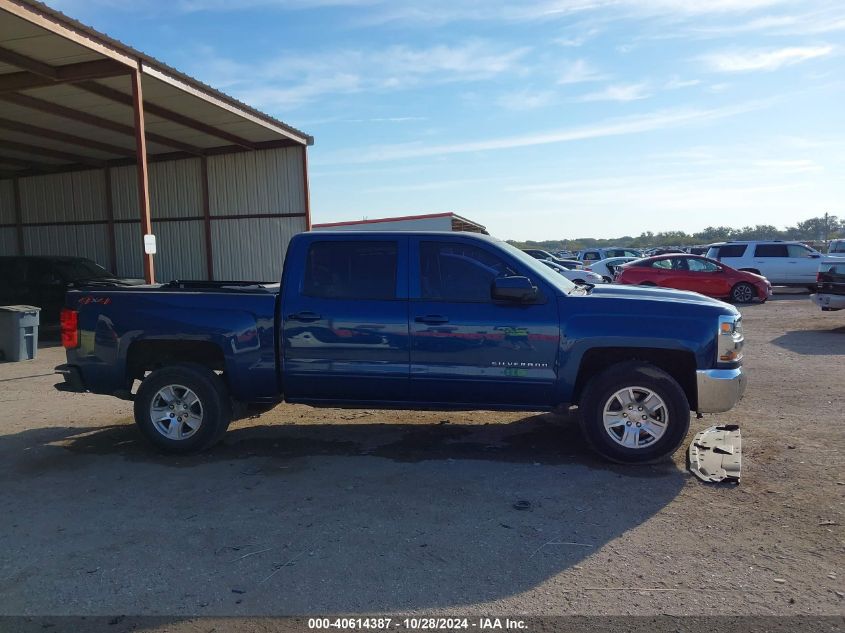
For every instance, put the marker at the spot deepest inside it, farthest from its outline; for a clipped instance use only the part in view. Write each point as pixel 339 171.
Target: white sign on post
pixel 150 244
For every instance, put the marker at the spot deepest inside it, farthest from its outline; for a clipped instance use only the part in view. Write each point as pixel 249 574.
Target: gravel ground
pixel 307 511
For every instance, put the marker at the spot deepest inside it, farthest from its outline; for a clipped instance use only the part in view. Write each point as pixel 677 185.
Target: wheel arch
pixel 680 364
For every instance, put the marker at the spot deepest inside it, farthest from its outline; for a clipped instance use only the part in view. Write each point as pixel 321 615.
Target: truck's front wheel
pixel 183 408
pixel 634 412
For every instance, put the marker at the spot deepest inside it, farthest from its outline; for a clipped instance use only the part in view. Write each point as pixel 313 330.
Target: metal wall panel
pixel 265 181
pixel 8 241
pixel 176 189
pixel 421 224
pixel 124 192
pixel 69 197
pixel 7 202
pixel 252 249
pixel 87 240
pixel 129 247
pixel 181 250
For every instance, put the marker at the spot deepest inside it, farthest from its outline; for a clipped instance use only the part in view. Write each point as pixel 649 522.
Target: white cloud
pixel 575 41
pixel 526 100
pixel 292 80
pixel 580 71
pixel 675 83
pixel 766 60
pixel 658 120
pixel 618 92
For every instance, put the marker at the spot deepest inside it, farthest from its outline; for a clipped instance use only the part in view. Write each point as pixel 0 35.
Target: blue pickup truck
pixel 410 321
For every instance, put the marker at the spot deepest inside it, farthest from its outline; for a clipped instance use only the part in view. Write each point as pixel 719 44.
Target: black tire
pixel 599 393
pixel 607 280
pixel 580 282
pixel 215 408
pixel 743 293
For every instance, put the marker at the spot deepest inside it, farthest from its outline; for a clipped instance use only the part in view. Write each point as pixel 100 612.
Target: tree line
pixel 815 230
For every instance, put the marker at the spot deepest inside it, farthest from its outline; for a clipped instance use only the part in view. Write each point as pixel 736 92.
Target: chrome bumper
pixel 719 389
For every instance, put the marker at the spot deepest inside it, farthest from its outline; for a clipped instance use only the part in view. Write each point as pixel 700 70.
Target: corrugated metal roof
pixel 65 100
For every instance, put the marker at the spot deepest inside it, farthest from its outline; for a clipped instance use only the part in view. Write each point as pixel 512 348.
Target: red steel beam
pixel 48 107
pixel 26 148
pixel 71 139
pixel 143 172
pixel 72 73
pixel 121 97
pixel 206 216
pixel 307 188
pixel 110 222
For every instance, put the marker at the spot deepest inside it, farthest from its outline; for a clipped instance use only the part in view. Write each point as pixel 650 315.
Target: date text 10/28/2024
pixel 417 624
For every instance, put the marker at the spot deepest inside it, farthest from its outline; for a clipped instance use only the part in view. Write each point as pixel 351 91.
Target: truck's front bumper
pixel 719 389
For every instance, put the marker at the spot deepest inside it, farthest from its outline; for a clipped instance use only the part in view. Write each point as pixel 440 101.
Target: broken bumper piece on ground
pixel 715 454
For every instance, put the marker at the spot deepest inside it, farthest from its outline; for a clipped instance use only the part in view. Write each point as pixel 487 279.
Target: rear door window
pixel 351 270
pixel 771 250
pixel 701 266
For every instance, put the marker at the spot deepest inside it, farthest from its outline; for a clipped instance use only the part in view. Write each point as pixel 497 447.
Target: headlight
pixel 730 339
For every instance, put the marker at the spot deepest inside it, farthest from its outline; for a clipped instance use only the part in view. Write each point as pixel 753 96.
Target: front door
pixel 468 348
pixel 345 321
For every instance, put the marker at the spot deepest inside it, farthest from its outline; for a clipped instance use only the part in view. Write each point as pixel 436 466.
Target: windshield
pixel 538 268
pixel 81 269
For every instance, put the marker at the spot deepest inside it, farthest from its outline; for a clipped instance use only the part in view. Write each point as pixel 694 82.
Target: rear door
pixel 771 261
pixel 345 320
pixel 467 348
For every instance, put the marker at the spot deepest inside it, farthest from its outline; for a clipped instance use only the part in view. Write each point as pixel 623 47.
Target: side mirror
pixel 815 255
pixel 518 289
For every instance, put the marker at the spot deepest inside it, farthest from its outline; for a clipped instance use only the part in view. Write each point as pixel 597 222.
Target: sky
pixel 541 119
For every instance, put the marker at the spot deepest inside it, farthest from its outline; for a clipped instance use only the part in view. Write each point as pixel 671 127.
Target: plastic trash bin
pixel 18 332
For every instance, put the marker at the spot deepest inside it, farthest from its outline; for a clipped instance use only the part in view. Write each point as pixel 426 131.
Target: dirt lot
pixel 311 511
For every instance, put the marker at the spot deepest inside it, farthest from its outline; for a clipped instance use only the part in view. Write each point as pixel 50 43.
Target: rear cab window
pixel 351 270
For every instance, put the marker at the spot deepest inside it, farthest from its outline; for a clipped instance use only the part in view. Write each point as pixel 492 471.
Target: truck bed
pixel 231 323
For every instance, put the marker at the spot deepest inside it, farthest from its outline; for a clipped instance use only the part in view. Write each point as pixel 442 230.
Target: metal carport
pixel 101 144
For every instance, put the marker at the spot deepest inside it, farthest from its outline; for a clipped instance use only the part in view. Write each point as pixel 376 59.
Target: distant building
pixel 428 222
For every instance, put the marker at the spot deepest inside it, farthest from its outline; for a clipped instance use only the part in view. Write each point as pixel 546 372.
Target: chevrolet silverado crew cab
pixel 410 321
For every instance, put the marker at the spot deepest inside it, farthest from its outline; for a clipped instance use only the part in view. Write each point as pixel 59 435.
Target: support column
pixel 16 192
pixel 143 173
pixel 206 214
pixel 110 222
pixel 307 189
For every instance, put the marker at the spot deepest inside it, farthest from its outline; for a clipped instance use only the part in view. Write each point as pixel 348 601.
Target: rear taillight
pixel 69 320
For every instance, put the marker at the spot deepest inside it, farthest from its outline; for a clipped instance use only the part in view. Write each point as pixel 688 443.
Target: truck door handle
pixel 432 319
pixel 305 316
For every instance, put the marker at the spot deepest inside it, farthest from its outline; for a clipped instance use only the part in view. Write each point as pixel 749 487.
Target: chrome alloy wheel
pixel 176 412
pixel 635 417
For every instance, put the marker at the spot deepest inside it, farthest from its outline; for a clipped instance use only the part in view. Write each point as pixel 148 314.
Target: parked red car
pixel 696 273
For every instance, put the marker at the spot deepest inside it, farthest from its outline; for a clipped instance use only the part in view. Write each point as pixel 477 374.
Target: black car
pixel 42 281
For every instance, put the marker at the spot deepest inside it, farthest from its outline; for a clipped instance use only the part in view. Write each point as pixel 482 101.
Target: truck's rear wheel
pixel 634 412
pixel 183 408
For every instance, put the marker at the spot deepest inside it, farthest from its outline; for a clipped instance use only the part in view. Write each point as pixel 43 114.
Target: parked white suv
pixel 836 247
pixel 782 263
